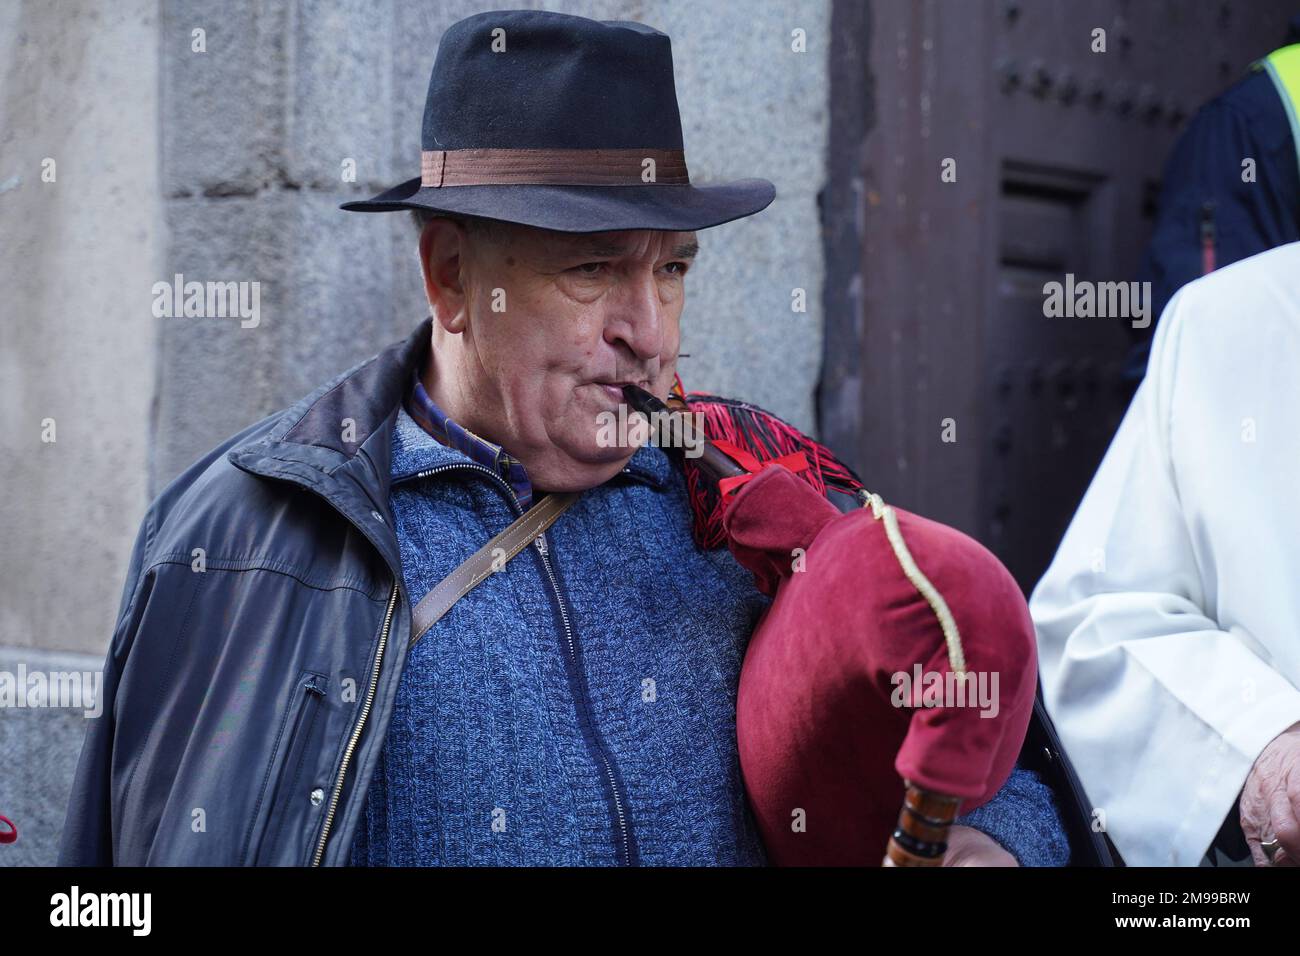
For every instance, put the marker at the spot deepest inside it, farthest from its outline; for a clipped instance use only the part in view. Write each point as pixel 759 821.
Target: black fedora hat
pixel 563 123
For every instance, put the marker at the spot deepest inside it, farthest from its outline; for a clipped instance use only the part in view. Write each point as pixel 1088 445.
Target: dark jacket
pixel 216 686
pixel 1205 204
pixel 218 714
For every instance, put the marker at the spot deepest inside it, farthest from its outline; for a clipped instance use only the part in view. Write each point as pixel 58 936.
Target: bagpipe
pixel 889 684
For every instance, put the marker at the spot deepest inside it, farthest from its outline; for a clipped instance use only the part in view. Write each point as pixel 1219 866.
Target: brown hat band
pixel 553 167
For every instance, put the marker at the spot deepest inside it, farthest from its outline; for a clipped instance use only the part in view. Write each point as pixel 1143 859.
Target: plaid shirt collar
pixel 437 423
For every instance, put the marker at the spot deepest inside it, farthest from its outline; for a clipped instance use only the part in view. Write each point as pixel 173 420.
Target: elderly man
pixel 1167 621
pixel 272 702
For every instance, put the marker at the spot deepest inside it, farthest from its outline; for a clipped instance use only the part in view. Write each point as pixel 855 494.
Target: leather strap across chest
pixel 486 560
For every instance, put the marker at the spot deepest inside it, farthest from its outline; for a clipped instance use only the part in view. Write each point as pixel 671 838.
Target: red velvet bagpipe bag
pixel 851 697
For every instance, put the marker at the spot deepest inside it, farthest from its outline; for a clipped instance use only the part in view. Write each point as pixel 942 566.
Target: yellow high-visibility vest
pixel 1283 68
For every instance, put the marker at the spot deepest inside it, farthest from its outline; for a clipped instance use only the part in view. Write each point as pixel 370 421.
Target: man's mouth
pixel 614 387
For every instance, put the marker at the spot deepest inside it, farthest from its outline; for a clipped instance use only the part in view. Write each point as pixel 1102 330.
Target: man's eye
pixel 593 269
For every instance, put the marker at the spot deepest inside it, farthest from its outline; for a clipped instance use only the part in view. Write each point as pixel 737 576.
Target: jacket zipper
pixel 624 849
pixel 356 732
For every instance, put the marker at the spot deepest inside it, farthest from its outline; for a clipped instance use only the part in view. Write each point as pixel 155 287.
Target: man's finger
pixel 1283 825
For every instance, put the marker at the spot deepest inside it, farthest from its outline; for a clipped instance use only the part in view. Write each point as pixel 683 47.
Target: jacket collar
pixel 338 440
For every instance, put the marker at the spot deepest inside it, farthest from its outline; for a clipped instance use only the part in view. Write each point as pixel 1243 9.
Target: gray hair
pixel 478 226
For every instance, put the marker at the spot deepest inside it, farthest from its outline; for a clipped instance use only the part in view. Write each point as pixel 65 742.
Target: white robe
pixel 1169 620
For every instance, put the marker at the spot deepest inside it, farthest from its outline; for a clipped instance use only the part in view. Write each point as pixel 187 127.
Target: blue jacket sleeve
pixel 87 837
pixel 1023 818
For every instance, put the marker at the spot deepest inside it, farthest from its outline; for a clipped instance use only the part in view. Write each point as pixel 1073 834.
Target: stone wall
pixel 219 155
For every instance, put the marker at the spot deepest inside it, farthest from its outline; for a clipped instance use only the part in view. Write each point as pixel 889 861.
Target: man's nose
pixel 638 319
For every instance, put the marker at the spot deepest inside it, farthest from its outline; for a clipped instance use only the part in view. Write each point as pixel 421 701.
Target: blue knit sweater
pixel 603 735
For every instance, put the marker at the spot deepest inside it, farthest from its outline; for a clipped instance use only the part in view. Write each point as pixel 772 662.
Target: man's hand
pixel 1270 801
pixel 970 847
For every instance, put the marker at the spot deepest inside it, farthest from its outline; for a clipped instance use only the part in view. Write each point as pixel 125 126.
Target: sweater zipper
pixel 623 848
pixel 356 732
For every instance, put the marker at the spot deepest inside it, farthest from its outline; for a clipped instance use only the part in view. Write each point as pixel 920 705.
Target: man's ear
pixel 443 243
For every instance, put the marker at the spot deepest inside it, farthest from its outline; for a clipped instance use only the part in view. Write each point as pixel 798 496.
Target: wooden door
pixel 944 382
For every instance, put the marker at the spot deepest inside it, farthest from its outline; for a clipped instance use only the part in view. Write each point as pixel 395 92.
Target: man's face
pixel 540 330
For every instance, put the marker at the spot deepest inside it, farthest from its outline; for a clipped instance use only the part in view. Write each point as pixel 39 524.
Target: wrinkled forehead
pixel 609 244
